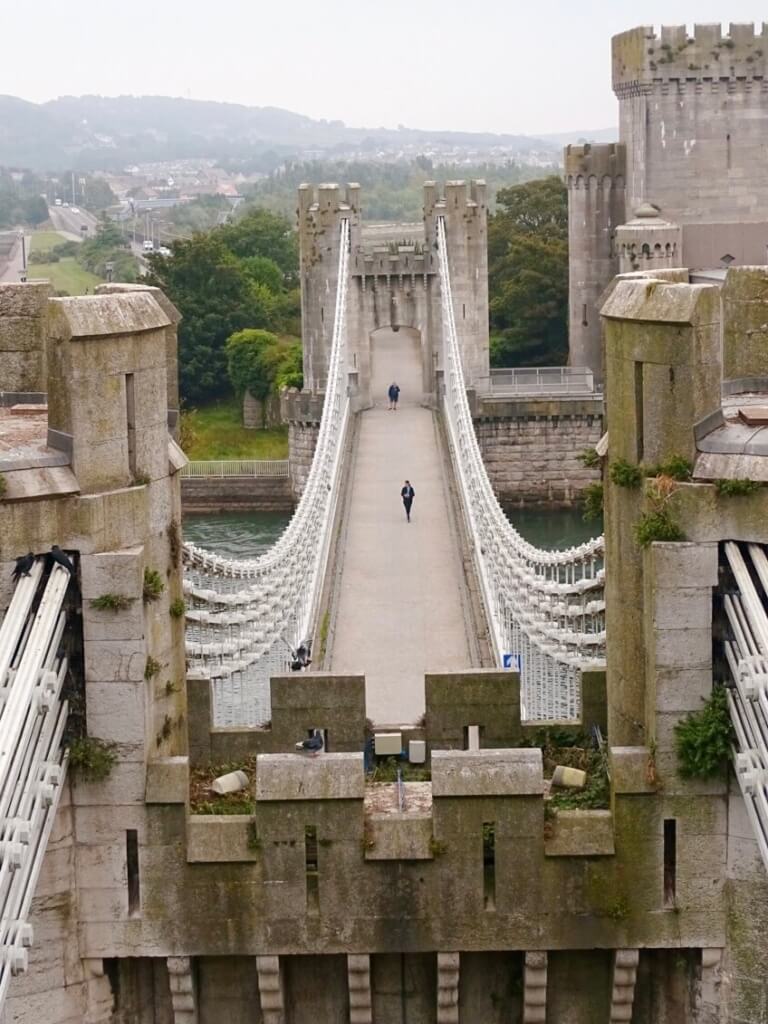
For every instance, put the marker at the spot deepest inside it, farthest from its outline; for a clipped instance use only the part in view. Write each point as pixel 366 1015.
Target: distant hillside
pixel 591 135
pixel 94 132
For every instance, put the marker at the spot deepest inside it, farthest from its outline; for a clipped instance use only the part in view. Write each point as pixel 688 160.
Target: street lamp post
pixel 109 266
pixel 23 273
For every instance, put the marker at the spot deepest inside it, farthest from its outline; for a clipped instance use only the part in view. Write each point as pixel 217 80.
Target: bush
pixel 624 474
pixel 177 608
pixel 658 522
pixel 703 739
pixel 92 759
pixel 153 585
pixel 590 458
pixel 592 501
pixel 111 602
pixel 676 467
pixel 735 488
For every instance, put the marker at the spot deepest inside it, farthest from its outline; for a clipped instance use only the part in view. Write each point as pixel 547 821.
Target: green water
pixel 555 528
pixel 248 534
pixel 235 534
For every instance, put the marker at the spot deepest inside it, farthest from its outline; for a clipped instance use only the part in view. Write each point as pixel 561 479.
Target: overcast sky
pixel 497 65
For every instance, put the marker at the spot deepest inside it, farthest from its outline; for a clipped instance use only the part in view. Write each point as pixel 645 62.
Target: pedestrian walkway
pixel 400 612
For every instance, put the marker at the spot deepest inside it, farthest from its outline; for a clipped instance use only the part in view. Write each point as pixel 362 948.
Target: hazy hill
pixel 98 131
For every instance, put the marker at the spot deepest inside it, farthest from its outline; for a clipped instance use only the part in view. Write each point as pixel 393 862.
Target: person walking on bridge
pixel 407 494
pixel 393 393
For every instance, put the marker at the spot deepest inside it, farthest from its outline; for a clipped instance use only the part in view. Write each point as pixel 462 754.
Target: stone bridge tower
pixel 394 280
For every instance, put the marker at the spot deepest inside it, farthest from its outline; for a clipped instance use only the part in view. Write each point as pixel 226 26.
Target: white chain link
pixel 545 609
pixel 244 617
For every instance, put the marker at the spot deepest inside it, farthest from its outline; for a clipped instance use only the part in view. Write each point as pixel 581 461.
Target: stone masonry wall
pixel 302 438
pixel 531 451
pixel 235 494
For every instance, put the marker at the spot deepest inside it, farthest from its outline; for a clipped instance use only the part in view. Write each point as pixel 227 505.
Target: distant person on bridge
pixel 393 394
pixel 407 494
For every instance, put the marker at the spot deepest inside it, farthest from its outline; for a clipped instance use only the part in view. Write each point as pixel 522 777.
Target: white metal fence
pixel 245 617
pixel 219 468
pixel 540 380
pixel 545 609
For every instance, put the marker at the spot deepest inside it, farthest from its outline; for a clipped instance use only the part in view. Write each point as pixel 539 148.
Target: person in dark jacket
pixel 393 393
pixel 407 494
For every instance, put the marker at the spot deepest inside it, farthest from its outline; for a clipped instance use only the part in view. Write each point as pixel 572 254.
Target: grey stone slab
pixel 304 777
pixel 487 773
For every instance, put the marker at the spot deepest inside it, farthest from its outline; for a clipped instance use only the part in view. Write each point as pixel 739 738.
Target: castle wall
pixel 23 317
pixel 693 118
pixel 531 448
pixel 233 494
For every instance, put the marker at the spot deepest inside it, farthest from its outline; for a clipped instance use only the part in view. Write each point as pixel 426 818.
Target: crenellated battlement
pixel 585 161
pixel 641 56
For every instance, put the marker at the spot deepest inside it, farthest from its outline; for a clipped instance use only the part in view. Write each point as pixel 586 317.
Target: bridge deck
pixel 399 608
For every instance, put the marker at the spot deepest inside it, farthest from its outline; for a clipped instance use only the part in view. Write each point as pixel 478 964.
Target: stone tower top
pixel 642 57
pixel 598 160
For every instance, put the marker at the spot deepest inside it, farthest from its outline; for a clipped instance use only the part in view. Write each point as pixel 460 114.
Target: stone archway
pixel 396 356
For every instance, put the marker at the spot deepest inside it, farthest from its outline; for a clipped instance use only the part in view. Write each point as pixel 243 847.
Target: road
pixel 10 269
pixel 400 610
pixel 69 223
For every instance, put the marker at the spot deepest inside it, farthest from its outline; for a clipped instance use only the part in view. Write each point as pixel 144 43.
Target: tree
pixel 108 246
pixel 216 299
pixel 528 275
pixel 262 363
pixel 261 233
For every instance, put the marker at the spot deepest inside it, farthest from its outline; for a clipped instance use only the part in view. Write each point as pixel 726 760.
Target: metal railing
pixel 237 467
pixel 540 380
pixel 245 618
pixel 545 609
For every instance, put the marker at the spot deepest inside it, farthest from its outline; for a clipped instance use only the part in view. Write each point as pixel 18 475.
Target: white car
pixel 74 209
pixel 148 246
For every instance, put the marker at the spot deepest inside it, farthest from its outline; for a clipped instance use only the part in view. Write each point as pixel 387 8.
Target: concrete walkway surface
pixel 399 601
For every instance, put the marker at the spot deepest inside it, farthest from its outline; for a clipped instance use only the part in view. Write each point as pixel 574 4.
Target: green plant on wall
pixel 153 585
pixel 592 501
pixel 624 474
pixel 590 458
pixel 92 759
pixel 704 738
pixel 111 602
pixel 677 467
pixel 3 485
pixel 151 668
pixel 177 608
pixel 735 488
pixel 658 523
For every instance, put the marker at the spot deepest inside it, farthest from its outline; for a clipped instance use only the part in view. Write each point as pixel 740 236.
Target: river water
pixel 249 534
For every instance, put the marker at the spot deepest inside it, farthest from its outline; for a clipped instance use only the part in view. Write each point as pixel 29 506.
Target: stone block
pixel 487 773
pixel 398 837
pixel 120 660
pixel 103 867
pixel 300 777
pixel 168 780
pixel 115 712
pixel 103 315
pixel 95 823
pixel 683 648
pixel 20 334
pixel 125 785
pixel 28 300
pixel 671 565
pixel 682 608
pixel 683 689
pixel 631 770
pixel 219 838
pixel 580 834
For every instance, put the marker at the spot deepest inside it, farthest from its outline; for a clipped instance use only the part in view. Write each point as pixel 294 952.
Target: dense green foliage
pixel 21 202
pixel 676 467
pixel 703 739
pixel 390 191
pixel 108 246
pixel 91 758
pixel 625 474
pixel 528 275
pixel 237 277
pixel 592 502
pixel 657 524
pixel 262 363
pixel 736 488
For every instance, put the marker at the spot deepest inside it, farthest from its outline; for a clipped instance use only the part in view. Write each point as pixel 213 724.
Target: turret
pixel 648 242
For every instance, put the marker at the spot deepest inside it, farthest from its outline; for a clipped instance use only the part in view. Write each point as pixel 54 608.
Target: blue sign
pixel 511 661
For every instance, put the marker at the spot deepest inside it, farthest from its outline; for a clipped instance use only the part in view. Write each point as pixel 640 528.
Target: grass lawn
pixel 42 240
pixel 66 276
pixel 219 434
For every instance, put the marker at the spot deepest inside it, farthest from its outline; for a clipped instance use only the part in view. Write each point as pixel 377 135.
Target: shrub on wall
pixel 703 739
pixel 624 474
pixel 92 759
pixel 735 488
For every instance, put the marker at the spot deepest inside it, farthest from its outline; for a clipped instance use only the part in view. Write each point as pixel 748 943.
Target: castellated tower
pixel 595 179
pixel 693 117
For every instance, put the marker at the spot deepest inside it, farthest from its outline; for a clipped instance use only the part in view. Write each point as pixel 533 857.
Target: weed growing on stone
pixel 676 467
pixel 590 458
pixel 174 541
pixel 153 585
pixel 735 488
pixel 437 847
pixel 3 485
pixel 658 522
pixel 386 771
pixel 141 480
pixel 92 759
pixel 596 794
pixel 151 668
pixel 177 608
pixel 592 502
pixel 111 602
pixel 624 474
pixel 703 739
pixel 254 840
